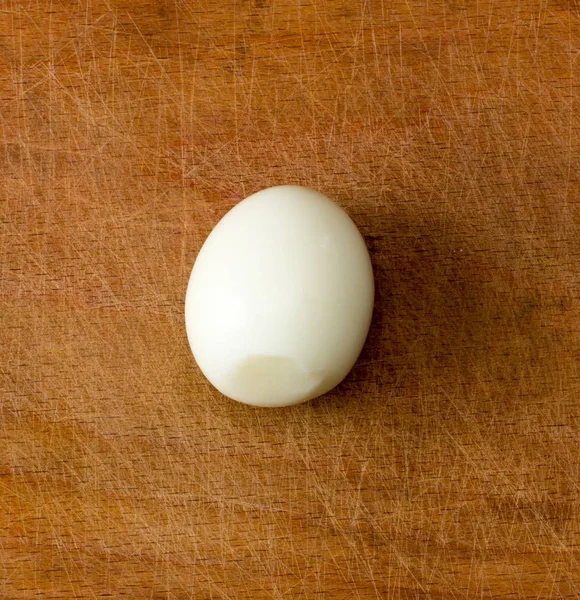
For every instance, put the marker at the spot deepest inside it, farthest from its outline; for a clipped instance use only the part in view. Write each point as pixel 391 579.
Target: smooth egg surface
pixel 280 298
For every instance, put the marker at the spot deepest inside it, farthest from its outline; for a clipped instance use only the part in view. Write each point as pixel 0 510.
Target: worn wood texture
pixel 447 465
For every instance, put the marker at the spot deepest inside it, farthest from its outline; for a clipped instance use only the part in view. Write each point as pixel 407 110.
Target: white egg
pixel 280 298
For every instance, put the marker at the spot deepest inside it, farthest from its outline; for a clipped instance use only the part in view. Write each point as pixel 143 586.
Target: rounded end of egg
pixel 264 380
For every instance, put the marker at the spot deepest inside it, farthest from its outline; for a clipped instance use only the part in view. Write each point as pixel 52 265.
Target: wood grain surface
pixel 447 465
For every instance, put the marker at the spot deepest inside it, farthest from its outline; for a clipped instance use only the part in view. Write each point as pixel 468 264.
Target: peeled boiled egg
pixel 280 298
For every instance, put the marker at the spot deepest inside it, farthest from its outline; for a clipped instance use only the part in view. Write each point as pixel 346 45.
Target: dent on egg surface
pixel 280 298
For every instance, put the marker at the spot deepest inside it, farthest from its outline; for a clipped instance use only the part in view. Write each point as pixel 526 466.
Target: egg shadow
pixel 451 310
pixel 447 312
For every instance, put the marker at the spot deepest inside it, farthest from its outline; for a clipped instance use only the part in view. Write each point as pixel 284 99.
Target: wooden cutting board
pixel 447 465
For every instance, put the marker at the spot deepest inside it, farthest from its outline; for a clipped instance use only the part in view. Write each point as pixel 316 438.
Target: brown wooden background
pixel 448 464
